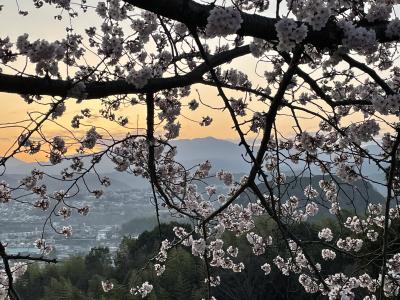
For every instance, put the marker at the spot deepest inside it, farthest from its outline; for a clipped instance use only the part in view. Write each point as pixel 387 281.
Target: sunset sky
pixel 41 24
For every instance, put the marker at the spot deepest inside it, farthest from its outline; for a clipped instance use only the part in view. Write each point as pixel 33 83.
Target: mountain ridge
pixel 223 154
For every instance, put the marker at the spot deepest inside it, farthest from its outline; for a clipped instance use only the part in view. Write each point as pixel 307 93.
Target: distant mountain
pixel 355 196
pixel 222 154
pixel 16 166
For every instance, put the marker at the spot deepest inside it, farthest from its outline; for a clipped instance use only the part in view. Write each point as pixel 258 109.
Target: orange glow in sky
pixel 41 24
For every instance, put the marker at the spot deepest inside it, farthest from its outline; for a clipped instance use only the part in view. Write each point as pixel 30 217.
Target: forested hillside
pixel 80 277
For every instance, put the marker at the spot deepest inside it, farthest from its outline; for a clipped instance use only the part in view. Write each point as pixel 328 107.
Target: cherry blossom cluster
pixel 239 219
pixel 358 38
pixel 257 243
pixel 236 78
pixel 129 151
pixel 276 72
pixel 310 192
pixel 226 177
pixel 224 258
pixel 113 11
pixel 331 194
pixel 206 121
pixel 142 290
pixel 43 53
pixel 214 281
pixel 6 54
pixel 139 78
pixel 290 33
pixel 257 122
pixel 214 249
pixel 312 209
pixel 195 203
pixel 379 12
pixel 112 43
pixel 326 234
pixel 57 150
pixel 258 47
pixel 363 132
pixel 392 279
pixel 43 246
pixel 65 4
pixel 159 269
pixel 91 138
pixel 144 27
pixel 5 192
pixel 342 286
pixel 30 182
pixel 349 244
pixel 166 245
pixel 107 286
pixel 203 169
pixel 172 130
pixel 66 231
pixel 258 5
pixel 372 223
pixel 347 173
pixel 393 29
pixel 238 106
pixel 313 12
pixel 308 283
pixel 223 21
pixel 193 104
pixel 297 263
pixel 57 109
pixel 266 268
pixel 290 209
pixel 310 143
pixel 387 143
pixel 387 105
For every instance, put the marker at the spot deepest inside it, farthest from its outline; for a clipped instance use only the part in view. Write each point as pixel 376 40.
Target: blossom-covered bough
pixel 327 68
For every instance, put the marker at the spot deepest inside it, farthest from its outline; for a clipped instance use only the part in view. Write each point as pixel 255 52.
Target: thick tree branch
pixel 43 86
pixel 195 15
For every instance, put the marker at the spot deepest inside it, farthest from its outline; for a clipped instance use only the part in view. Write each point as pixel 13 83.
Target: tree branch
pixel 363 67
pixel 195 14
pixel 44 86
